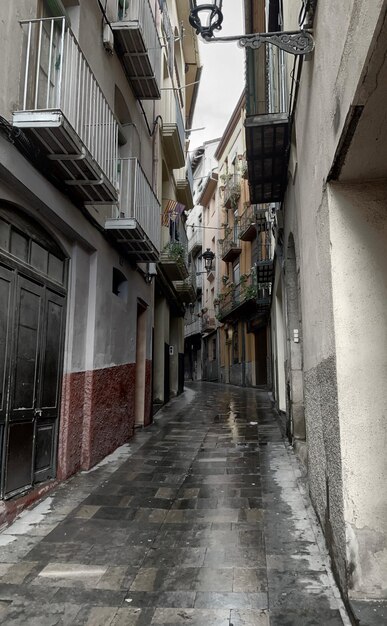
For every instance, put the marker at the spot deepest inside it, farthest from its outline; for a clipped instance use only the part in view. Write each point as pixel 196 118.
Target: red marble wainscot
pixel 108 411
pixel 71 425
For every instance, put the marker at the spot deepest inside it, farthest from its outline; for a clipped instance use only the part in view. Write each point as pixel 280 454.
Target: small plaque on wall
pixel 170 350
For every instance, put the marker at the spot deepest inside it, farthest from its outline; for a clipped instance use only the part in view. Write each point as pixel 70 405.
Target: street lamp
pixel 211 19
pixel 208 257
pixel 207 17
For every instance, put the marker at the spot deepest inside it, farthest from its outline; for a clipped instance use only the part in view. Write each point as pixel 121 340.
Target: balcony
pixel 184 185
pixel 65 112
pixel 268 118
pixel 186 289
pixel 239 300
pixel 246 227
pixel 264 264
pixel 208 324
pixel 173 260
pixel 173 130
pixel 263 301
pixel 194 327
pixel 232 192
pixel 139 46
pixel 195 241
pixel 137 225
pixel 208 190
pixel 229 250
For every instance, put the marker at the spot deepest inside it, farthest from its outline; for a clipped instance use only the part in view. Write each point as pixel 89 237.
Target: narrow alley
pixel 202 519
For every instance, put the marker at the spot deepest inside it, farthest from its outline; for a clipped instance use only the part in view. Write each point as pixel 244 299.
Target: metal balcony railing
pixel 186 289
pixel 173 129
pixel 195 240
pixel 208 323
pixel 232 191
pixel 184 184
pixel 169 38
pixel 229 249
pixel 271 90
pixel 247 224
pixel 193 327
pixel 138 223
pixel 64 106
pixel 237 296
pixel 139 45
pixel 174 260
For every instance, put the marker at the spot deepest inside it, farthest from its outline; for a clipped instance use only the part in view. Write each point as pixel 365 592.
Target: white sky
pixel 222 78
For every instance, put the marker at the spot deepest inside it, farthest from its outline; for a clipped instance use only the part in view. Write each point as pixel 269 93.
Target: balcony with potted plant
pixel 173 259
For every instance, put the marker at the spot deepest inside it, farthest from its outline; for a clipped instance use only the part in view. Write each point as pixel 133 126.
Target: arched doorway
pixel 294 373
pixel 33 277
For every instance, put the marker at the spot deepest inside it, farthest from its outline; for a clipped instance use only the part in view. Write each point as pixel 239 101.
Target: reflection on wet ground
pixel 206 523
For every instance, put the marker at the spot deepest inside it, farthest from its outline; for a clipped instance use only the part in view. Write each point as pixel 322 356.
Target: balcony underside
pixel 231 200
pixel 70 161
pixel 237 310
pixel 185 290
pixel 267 150
pixel 174 270
pixel 265 271
pixel 195 248
pixel 135 57
pixel 209 326
pixel 263 305
pixel 184 193
pixel 248 232
pixel 132 239
pixel 231 254
pixel 258 321
pixel 173 148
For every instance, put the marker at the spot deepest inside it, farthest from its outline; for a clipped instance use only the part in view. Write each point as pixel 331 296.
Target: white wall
pixel 358 230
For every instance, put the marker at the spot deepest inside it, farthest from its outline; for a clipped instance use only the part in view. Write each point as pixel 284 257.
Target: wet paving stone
pixel 204 523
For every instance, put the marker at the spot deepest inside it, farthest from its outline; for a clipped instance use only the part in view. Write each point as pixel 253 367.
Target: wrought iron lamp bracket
pixel 295 42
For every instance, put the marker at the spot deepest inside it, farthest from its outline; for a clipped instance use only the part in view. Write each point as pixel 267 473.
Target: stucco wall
pixel 358 231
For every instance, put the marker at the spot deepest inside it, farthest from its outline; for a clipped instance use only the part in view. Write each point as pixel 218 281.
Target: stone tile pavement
pixel 201 520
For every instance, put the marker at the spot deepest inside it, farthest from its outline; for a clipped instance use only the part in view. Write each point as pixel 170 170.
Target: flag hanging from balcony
pixel 172 212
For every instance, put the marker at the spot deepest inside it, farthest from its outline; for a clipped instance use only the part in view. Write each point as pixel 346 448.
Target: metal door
pixel 31 341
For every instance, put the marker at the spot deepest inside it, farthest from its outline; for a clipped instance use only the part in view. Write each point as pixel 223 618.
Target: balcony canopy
pixel 271 89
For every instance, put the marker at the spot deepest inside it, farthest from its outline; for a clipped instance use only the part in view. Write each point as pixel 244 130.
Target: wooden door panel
pixel 6 285
pixel 19 457
pixel 45 450
pixel 51 355
pixel 26 351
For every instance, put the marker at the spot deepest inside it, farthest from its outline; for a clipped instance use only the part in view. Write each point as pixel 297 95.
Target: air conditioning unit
pixel 108 39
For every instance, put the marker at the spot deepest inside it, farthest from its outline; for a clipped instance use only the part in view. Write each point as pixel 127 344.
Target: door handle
pixel 38 412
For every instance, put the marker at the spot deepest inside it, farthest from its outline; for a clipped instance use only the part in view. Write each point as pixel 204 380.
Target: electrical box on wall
pixel 108 39
pixel 170 350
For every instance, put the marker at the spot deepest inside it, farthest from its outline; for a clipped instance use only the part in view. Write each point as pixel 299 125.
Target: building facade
pixel 245 265
pixel 91 112
pixel 326 166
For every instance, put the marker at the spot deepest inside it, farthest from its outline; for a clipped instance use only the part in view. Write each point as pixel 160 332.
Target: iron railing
pixel 172 114
pixel 195 240
pixel 137 199
pixel 193 327
pixel 228 245
pixel 208 323
pixel 238 294
pixel 232 191
pixel 139 14
pixel 57 76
